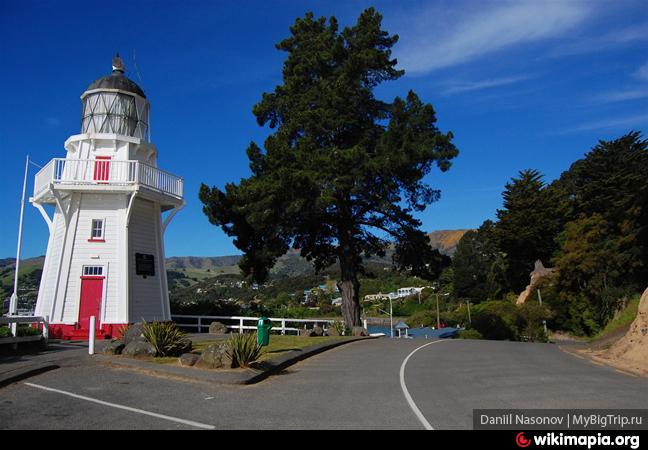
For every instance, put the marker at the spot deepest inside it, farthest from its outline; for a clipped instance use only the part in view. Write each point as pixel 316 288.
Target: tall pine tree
pixel 341 176
pixel 527 227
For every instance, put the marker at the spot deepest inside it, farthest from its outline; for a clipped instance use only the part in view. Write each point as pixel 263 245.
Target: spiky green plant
pixel 122 330
pixel 243 349
pixel 166 337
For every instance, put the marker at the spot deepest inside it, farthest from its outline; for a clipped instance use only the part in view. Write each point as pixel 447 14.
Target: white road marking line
pixel 408 397
pixel 127 408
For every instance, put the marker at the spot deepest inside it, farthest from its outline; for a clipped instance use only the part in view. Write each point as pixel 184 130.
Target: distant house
pixel 407 291
pixel 337 301
pixel 376 297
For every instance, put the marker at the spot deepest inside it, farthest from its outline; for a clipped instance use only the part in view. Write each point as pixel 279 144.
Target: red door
pixel 102 169
pixel 91 294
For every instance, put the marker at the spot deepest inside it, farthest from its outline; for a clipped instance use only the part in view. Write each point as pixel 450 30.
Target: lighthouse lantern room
pixel 111 206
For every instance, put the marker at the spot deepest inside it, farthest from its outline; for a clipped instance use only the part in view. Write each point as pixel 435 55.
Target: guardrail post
pixel 199 325
pixel 283 326
pixel 241 326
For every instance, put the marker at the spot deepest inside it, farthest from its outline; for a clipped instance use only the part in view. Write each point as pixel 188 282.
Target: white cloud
pixel 620 96
pixel 642 72
pixel 457 87
pixel 612 123
pixel 439 38
pixel 615 38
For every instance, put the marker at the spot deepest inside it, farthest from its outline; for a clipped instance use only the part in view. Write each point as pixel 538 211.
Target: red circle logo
pixel 521 440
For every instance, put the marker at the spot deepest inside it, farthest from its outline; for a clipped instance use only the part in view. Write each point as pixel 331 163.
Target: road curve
pixel 356 386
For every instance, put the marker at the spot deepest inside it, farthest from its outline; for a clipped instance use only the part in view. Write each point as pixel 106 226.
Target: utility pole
pixel 544 322
pixel 438 317
pixel 468 304
pixel 391 318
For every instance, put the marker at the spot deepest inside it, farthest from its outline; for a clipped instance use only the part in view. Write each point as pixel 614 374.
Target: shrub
pixel 5 332
pixel 27 331
pixel 340 327
pixel 243 349
pixel 122 331
pixel 469 334
pixel 424 318
pixel 166 337
pixel 496 320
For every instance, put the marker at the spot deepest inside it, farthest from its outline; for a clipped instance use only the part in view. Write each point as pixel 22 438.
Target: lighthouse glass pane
pixel 113 112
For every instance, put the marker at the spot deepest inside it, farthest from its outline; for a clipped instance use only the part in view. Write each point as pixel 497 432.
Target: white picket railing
pixel 106 172
pixel 205 321
pixel 13 321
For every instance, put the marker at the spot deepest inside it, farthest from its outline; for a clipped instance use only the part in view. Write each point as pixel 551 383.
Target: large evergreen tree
pixel 479 267
pixel 343 173
pixel 527 227
pixel 611 182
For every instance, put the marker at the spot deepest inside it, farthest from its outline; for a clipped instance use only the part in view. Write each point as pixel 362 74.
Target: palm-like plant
pixel 166 337
pixel 243 349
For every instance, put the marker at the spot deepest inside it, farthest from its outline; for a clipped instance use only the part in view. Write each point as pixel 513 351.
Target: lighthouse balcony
pixel 105 175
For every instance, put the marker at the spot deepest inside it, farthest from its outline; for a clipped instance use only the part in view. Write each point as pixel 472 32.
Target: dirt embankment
pixel 629 352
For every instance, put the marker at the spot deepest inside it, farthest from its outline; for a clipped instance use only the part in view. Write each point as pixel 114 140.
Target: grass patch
pixel 282 344
pixel 623 319
pixel 279 345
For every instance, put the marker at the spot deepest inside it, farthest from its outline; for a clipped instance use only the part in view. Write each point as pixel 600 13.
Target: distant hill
pixel 446 240
pixel 196 268
pixel 201 262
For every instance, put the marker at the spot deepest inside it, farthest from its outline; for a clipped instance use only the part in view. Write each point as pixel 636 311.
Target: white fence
pixel 13 321
pixel 202 322
pixel 106 172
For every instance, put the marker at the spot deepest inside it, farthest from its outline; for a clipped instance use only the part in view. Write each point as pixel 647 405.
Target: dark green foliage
pixel 527 227
pixel 5 332
pixel 604 245
pixel 342 169
pixel 610 186
pixel 479 266
pixel 470 334
pixel 530 321
pixel 496 320
pixel 24 330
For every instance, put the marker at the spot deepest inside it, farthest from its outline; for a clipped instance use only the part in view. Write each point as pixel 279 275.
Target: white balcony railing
pixel 100 172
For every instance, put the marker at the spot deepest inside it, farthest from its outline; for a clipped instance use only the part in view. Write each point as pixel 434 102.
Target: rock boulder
pixel 217 328
pixel 139 349
pixel 215 357
pixel 114 348
pixel 188 359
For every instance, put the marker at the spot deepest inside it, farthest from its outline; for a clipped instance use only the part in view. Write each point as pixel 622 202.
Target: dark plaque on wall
pixel 144 264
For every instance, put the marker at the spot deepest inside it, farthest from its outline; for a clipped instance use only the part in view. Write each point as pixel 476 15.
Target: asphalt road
pixel 356 386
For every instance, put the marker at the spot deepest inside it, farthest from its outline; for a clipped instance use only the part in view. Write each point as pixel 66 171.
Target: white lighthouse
pixel 112 204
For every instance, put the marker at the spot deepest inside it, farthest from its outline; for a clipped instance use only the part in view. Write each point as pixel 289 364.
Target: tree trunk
pixel 350 289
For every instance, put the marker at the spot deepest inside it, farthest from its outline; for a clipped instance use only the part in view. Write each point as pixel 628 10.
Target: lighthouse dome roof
pixel 117 80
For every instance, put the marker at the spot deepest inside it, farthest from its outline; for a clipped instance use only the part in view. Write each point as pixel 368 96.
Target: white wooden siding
pixel 96 206
pixel 51 266
pixel 145 295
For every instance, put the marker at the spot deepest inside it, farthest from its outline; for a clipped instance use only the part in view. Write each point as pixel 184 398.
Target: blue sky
pixel 521 84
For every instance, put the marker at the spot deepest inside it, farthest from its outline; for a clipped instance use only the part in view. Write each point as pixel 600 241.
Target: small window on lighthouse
pixel 92 271
pixel 97 230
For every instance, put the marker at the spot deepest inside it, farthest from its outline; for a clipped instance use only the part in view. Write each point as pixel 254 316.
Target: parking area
pixel 357 386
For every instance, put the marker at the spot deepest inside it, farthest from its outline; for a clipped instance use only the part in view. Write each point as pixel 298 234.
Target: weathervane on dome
pixel 117 63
